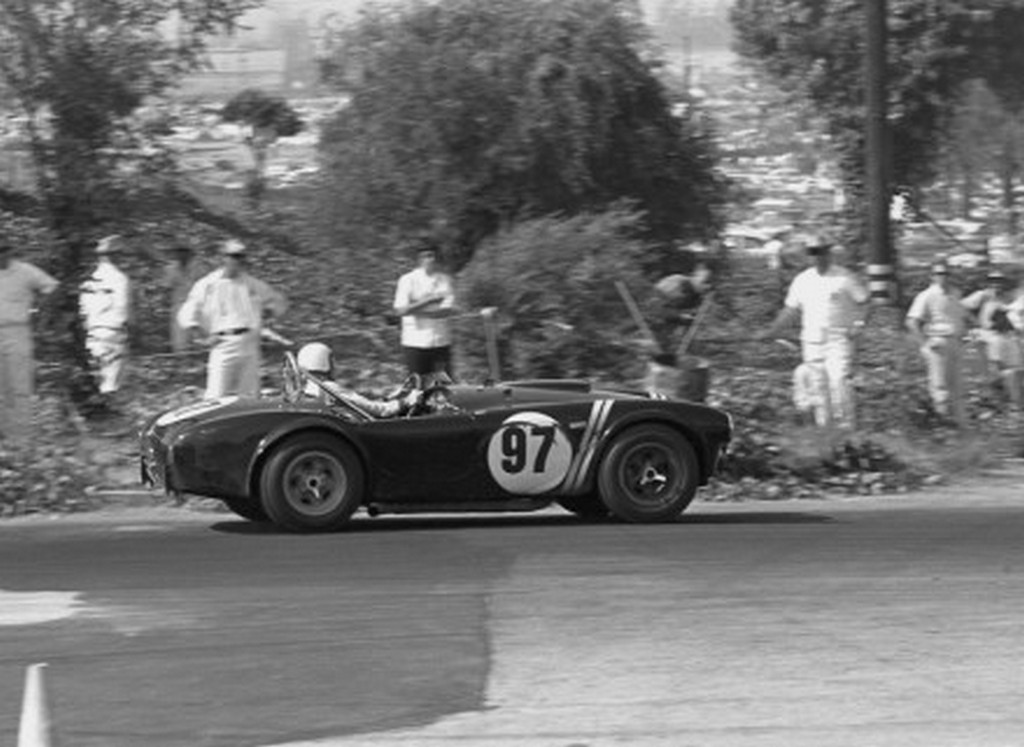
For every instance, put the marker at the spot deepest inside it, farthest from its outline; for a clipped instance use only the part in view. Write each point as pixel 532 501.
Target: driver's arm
pixel 379 408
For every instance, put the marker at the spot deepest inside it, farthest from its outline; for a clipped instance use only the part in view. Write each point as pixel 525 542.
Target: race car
pixel 308 465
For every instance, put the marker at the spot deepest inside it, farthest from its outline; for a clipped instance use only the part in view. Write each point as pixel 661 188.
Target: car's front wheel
pixel 311 483
pixel 649 474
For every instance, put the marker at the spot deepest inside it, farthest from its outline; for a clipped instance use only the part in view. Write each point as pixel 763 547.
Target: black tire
pixel 588 506
pixel 311 483
pixel 649 474
pixel 247 508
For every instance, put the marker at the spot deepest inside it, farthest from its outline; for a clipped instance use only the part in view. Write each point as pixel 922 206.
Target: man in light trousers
pixel 106 308
pixel 829 301
pixel 20 285
pixel 937 321
pixel 228 306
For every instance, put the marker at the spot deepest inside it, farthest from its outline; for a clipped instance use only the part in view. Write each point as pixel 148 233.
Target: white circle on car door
pixel 529 454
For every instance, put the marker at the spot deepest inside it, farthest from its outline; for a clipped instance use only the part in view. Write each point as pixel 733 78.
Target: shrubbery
pixel 553 281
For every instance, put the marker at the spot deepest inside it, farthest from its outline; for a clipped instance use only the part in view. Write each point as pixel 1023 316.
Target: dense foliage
pixel 553 280
pixel 77 72
pixel 816 50
pixel 465 116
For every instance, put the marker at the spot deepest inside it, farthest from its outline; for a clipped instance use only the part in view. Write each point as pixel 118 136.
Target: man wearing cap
pixel 425 299
pixel 937 321
pixel 993 306
pixel 105 304
pixel 829 301
pixel 20 283
pixel 179 276
pixel 227 306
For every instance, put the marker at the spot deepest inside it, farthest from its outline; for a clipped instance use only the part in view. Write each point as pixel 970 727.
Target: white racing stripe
pixel 595 424
pixel 570 478
pixel 606 410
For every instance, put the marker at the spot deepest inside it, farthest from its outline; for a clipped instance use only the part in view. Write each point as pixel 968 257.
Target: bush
pixel 553 280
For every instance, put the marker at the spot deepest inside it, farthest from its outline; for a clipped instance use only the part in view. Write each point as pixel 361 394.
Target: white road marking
pixel 19 608
pixel 36 607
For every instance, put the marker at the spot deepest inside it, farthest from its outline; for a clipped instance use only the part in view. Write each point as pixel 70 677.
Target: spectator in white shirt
pixel 425 301
pixel 937 320
pixel 829 301
pixel 227 307
pixel 105 303
pixel 20 284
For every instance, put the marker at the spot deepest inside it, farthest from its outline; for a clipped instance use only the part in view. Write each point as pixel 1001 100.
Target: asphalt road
pixel 882 621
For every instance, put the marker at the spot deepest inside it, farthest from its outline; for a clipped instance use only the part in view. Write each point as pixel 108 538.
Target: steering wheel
pixel 294 379
pixel 425 402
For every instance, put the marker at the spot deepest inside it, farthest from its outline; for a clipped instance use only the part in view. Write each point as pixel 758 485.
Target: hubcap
pixel 649 473
pixel 315 483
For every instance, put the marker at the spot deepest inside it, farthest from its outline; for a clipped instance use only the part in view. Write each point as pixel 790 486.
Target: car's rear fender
pixel 279 434
pixel 705 459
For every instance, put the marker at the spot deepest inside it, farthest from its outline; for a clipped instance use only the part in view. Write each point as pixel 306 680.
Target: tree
pixel 815 50
pixel 465 116
pixel 78 70
pixel 267 119
pixel 1002 69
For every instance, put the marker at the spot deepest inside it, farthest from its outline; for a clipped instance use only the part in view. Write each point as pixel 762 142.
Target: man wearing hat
pixel 20 284
pixel 829 300
pixel 937 321
pixel 105 304
pixel 179 276
pixel 992 306
pixel 227 306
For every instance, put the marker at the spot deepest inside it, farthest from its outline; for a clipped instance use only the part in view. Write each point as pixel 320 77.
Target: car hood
pixel 209 410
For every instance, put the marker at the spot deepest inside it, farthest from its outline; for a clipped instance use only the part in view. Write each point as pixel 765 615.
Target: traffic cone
pixel 34 730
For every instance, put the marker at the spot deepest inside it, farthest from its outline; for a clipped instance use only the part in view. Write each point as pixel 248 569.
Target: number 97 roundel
pixel 529 454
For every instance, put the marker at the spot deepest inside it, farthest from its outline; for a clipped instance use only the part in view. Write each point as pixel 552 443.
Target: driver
pixel 317 359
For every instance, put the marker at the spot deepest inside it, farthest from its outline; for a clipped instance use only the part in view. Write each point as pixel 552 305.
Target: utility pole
pixel 687 49
pixel 882 268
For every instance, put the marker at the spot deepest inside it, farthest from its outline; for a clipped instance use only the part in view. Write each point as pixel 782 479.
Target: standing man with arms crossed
pixel 830 302
pixel 19 284
pixel 425 299
pixel 227 308
pixel 937 321
pixel 106 308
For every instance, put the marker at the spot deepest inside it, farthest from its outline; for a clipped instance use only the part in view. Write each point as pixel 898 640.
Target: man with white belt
pixel 106 305
pixel 227 307
pixel 828 300
pixel 20 282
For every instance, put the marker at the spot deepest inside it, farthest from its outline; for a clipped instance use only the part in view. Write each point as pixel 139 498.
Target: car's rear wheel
pixel 587 506
pixel 247 508
pixel 312 483
pixel 649 474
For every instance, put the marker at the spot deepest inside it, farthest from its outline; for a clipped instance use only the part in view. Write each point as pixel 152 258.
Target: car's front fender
pixel 308 424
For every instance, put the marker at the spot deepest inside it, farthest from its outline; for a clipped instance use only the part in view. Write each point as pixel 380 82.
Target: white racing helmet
pixel 315 357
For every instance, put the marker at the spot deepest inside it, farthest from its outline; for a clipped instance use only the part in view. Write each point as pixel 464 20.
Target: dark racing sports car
pixel 309 464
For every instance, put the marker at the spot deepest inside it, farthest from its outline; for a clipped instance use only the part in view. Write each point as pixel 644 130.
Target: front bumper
pixel 154 463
